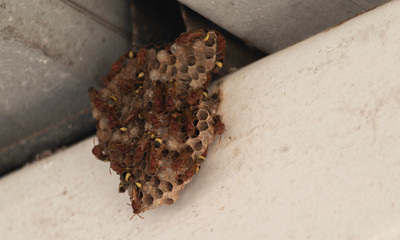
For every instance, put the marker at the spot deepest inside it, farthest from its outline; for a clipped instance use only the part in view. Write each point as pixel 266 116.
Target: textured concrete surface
pixel 237 53
pixel 113 15
pixel 311 151
pixel 273 25
pixel 50 55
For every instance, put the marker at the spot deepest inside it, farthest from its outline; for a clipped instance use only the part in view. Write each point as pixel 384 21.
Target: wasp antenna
pixel 136 215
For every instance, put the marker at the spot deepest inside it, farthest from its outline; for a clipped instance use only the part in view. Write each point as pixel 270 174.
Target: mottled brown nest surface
pixel 154 118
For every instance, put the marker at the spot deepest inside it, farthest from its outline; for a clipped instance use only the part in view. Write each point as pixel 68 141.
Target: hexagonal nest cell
pixel 154 118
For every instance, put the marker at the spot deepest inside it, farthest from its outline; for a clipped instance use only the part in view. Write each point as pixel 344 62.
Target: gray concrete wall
pixel 50 53
pixel 271 25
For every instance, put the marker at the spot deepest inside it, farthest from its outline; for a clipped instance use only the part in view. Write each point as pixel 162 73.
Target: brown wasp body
pixel 141 60
pixel 126 85
pixel 115 68
pixel 182 159
pixel 98 153
pixel 96 100
pixel 219 127
pixel 158 97
pixel 154 157
pixel 196 96
pixel 112 121
pixel 175 127
pixel 169 95
pixel 131 116
pixel 136 206
pixel 189 173
pixel 189 37
pixel 187 114
pixel 117 167
pixel 153 118
pixel 141 147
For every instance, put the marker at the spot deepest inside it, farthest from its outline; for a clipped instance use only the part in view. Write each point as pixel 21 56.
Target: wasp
pixel 120 147
pixel 221 45
pixel 175 127
pixel 135 202
pixel 188 37
pixel 158 96
pixel 183 158
pixel 129 158
pixel 141 147
pixel 121 188
pixel 98 153
pixel 102 106
pixel 112 120
pixel 150 117
pixel 154 157
pixel 197 96
pixel 190 172
pixel 117 167
pixel 117 66
pixel 169 95
pixel 187 114
pixel 125 85
pixel 95 98
pixel 219 127
pixel 141 61
pixel 132 115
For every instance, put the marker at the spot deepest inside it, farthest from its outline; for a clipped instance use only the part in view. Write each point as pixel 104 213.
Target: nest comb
pixel 154 118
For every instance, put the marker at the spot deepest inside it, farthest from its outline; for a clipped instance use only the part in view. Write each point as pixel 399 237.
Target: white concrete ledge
pixel 311 151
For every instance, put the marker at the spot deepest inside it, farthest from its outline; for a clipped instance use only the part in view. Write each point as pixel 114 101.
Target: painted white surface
pixel 311 151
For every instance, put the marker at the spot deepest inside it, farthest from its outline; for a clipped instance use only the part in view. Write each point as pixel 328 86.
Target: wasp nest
pixel 154 120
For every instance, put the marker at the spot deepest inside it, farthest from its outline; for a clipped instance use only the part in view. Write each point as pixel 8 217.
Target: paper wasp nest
pixel 154 119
